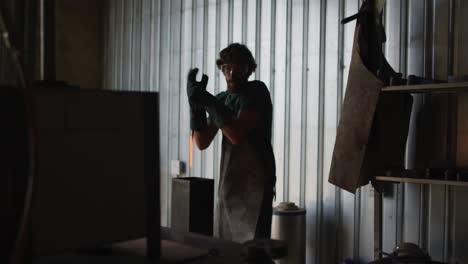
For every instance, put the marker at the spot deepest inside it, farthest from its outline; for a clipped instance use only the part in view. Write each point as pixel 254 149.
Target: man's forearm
pixel 205 137
pixel 236 130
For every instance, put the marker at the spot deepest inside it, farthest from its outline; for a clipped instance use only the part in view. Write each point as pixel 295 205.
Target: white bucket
pixel 289 226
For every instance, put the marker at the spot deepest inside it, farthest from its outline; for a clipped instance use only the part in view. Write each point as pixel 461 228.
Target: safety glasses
pixel 234 68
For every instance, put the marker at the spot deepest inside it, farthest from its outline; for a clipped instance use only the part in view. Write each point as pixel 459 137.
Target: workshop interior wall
pixel 303 53
pixel 79 42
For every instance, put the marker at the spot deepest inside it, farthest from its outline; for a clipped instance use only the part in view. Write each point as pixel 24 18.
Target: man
pixel 243 113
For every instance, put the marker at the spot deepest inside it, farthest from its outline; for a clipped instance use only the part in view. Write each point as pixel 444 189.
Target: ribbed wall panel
pixel 303 55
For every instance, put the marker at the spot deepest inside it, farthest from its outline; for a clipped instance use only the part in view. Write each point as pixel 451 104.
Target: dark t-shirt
pixel 254 96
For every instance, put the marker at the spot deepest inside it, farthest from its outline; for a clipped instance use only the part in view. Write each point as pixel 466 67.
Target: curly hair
pixel 238 54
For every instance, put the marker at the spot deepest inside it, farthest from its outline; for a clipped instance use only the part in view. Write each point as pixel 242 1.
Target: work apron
pixel 359 105
pixel 241 191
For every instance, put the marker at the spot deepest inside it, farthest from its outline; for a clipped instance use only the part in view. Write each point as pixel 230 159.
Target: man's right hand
pixel 198 120
pixel 194 87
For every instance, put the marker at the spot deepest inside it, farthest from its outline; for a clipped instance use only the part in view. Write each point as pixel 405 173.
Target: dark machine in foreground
pixel 95 165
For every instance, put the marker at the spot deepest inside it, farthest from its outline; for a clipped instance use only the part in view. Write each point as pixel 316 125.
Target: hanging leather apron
pixel 241 187
pixel 359 105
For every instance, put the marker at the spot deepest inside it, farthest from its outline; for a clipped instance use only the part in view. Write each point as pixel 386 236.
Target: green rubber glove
pixel 219 112
pixel 198 121
pixel 194 87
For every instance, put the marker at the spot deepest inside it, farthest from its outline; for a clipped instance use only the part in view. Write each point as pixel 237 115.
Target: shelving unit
pixel 396 179
pixel 452 87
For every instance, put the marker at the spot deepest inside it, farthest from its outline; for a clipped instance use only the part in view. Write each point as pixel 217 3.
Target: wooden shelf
pixel 429 88
pixel 421 181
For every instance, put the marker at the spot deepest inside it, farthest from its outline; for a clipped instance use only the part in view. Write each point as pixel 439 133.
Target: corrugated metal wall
pixel 303 55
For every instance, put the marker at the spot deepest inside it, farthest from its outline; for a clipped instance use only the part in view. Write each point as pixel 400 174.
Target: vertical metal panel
pixel 279 95
pixel 423 219
pixel 230 20
pixel 404 36
pixel 351 7
pixel 146 46
pixel 225 36
pixel 205 55
pixel 164 79
pixel 173 93
pixel 296 89
pixel 357 226
pixel 113 43
pixel 107 42
pixel 392 30
pixel 440 39
pixel 340 62
pixel 120 39
pixel 262 42
pixel 249 31
pixel 155 45
pixel 237 21
pixel 366 243
pixel 438 211
pixel 304 105
pixel 449 221
pixel 272 53
pixel 389 220
pixel 127 45
pixel 330 124
pixel 111 47
pixel 258 37
pixel 321 130
pixel 428 37
pixel 436 222
pixel 136 41
pixel 338 227
pixel 313 150
pixel 244 21
pixel 416 38
pixel 415 64
pixel 223 40
pixel 216 143
pixel 411 212
pixel 211 70
pixel 460 232
pixel 402 63
pixel 185 65
pixel 287 102
pixel 197 61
